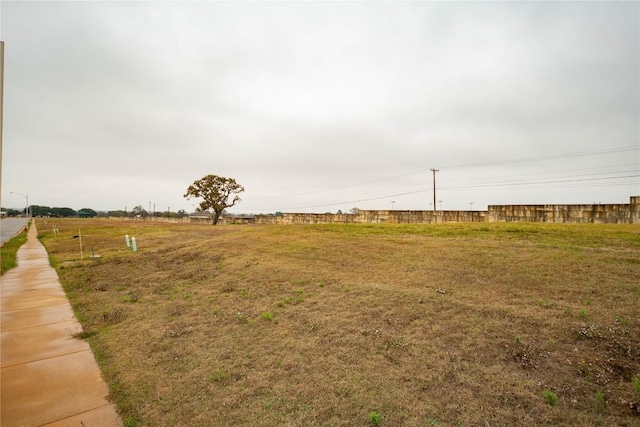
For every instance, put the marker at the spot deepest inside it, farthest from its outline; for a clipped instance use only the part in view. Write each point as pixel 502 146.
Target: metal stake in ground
pixel 79 236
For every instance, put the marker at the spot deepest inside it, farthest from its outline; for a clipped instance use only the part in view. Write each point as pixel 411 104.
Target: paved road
pixel 9 227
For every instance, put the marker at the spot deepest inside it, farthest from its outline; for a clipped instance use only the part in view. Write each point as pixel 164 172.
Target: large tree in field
pixel 217 192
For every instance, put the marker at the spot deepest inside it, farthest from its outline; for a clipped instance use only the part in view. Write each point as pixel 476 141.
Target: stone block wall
pixel 595 214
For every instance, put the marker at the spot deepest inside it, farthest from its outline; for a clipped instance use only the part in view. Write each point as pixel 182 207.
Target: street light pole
pixel 26 211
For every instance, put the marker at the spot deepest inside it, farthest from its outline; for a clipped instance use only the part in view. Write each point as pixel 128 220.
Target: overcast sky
pixel 320 106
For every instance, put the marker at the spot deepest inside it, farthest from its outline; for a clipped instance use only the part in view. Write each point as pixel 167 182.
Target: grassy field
pixel 9 250
pixel 360 325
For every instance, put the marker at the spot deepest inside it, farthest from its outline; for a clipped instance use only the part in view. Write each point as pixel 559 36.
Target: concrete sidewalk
pixel 47 377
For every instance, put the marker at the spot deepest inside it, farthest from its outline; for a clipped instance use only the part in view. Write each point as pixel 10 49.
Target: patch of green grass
pixel 600 399
pixel 545 304
pixel 289 300
pixel 550 397
pixel 636 384
pixel 53 262
pixel 218 374
pixel 267 315
pixel 131 422
pixel 374 418
pixel 84 334
pixel 9 251
pixel 621 320
pixel 243 318
pixel 129 298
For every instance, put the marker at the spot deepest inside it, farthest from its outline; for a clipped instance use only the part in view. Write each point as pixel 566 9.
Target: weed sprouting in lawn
pixel 375 418
pixel 243 318
pixel 131 422
pixel 600 399
pixel 622 321
pixel 636 384
pixel 130 298
pixel 267 315
pixel 545 304
pixel 289 299
pixel 219 374
pixel 550 397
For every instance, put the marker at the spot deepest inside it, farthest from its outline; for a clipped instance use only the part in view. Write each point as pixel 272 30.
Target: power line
pixel 555 172
pixel 540 182
pixel 475 186
pixel 460 166
pixel 386 196
pixel 306 193
pixel 543 158
pixel 500 182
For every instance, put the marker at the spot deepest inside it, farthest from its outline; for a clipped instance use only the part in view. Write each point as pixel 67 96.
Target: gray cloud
pixel 110 104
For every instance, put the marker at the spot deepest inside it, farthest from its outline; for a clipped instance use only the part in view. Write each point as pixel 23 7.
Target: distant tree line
pixel 12 212
pixel 140 212
pixel 55 212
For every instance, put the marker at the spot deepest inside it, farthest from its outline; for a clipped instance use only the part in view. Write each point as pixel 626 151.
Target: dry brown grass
pixel 321 325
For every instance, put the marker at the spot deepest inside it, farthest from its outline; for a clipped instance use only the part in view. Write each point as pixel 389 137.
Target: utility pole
pixel 1 105
pixel 434 187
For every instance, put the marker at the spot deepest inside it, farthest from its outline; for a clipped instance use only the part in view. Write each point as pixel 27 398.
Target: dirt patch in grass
pixel 325 325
